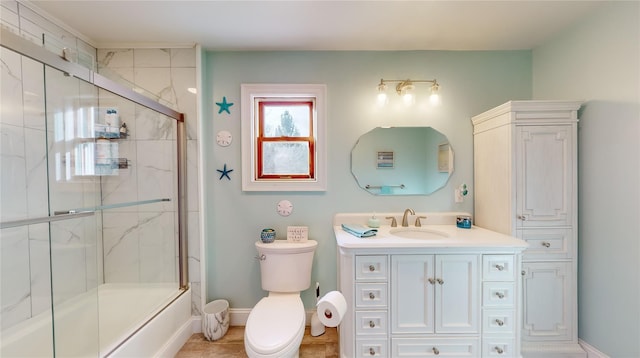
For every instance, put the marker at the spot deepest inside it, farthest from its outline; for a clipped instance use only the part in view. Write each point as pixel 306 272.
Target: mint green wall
pixel 598 60
pixel 471 82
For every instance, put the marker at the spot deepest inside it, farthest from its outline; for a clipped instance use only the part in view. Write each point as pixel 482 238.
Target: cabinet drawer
pixel 372 268
pixel 498 267
pixel 547 243
pixel 498 347
pixel 498 321
pixel 372 348
pixel 371 322
pixel 498 294
pixel 372 295
pixel 428 347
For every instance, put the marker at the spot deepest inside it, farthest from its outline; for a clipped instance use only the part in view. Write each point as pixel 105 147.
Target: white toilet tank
pixel 286 266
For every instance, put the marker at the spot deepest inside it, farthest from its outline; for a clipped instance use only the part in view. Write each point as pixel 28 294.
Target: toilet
pixel 276 324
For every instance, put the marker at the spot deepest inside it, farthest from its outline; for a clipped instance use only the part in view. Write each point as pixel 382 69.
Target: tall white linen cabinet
pixel 525 185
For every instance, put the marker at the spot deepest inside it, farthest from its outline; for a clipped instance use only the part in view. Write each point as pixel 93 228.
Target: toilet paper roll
pixel 331 308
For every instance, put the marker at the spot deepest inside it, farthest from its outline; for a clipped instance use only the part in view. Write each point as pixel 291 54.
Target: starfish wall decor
pixel 224 105
pixel 224 172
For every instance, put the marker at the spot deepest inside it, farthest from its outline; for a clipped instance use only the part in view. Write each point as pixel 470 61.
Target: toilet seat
pixel 275 326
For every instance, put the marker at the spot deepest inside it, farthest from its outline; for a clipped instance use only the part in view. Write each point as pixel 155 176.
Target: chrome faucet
pixel 405 219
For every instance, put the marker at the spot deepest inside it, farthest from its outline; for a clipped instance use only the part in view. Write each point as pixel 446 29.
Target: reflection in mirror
pixel 402 161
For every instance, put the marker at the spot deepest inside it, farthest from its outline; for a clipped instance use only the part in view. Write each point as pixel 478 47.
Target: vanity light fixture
pixel 405 89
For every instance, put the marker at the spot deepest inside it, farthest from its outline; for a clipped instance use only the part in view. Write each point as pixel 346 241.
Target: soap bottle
pixel 373 221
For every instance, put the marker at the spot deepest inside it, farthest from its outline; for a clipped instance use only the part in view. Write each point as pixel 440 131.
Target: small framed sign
pixel 297 233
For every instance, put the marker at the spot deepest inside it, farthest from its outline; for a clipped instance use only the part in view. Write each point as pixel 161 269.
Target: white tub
pixel 120 309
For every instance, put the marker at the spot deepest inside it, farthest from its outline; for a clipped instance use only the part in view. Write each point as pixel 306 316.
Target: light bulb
pixel 405 89
pixel 382 94
pixel 434 98
pixel 382 99
pixel 408 98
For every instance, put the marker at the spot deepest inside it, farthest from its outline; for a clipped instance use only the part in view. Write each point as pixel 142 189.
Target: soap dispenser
pixel 373 221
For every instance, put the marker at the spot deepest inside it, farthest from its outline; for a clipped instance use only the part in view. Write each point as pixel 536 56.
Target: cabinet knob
pixel 500 267
pixel 431 280
pixel 522 217
pixel 372 351
pixel 499 350
pixel 435 350
pixel 440 281
pixel 500 295
pixel 371 295
pixel 546 244
pixel 372 268
pixel 372 324
pixel 500 322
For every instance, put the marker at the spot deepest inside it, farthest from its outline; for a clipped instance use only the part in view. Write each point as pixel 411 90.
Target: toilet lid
pixel 274 322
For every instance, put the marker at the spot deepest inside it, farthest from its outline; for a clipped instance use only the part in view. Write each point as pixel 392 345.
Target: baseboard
pixel 238 317
pixel 196 324
pixel 547 349
pixel 592 352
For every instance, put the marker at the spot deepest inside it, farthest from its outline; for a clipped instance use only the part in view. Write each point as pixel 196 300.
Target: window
pixel 283 146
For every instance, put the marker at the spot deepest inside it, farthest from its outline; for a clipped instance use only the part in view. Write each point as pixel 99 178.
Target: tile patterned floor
pixel 232 345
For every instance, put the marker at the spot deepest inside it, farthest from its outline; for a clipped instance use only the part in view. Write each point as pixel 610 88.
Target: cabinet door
pixel 457 305
pixel 547 301
pixel 545 175
pixel 412 293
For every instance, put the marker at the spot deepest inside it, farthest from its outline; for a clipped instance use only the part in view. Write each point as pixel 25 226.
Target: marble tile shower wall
pixel 21 19
pixel 139 242
pixel 24 251
pixel 167 74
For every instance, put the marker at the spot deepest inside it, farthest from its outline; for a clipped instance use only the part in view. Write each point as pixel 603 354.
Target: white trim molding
pixel 238 317
pixel 250 93
pixel 592 352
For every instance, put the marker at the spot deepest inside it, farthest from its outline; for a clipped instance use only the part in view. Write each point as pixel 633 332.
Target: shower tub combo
pixel 92 218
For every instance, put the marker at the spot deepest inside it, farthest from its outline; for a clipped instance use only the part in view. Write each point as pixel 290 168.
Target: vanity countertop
pixel 450 238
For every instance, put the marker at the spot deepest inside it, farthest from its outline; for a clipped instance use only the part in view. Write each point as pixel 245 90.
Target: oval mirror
pixel 402 161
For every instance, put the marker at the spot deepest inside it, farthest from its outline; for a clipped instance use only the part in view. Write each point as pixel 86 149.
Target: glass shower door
pixel 76 265
pixel 89 211
pixel 46 259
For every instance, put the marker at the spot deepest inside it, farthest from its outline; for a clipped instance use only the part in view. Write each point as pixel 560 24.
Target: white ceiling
pixel 320 24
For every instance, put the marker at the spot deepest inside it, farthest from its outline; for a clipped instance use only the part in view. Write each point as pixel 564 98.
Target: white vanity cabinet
pixel 421 305
pixel 525 167
pixel 454 295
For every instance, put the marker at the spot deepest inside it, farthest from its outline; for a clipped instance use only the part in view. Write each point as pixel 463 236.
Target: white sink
pixel 418 233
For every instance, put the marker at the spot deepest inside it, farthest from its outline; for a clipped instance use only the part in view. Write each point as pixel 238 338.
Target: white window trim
pixel 248 129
